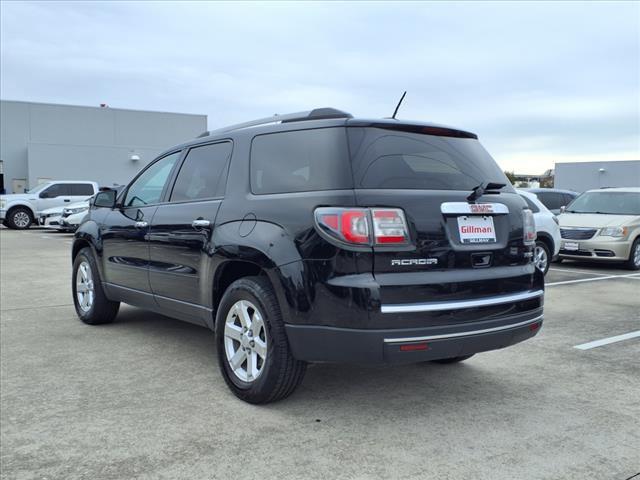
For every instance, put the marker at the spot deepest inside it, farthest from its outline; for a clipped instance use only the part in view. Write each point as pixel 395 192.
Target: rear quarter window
pixel 300 161
pixel 532 206
pixel 82 189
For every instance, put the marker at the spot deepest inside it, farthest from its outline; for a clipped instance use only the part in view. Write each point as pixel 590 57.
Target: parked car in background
pixel 73 215
pixel 50 218
pixel 553 198
pixel 318 237
pixel 547 229
pixel 21 210
pixel 603 225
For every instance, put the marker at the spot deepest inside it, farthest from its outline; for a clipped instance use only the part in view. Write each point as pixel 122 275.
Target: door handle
pixel 141 224
pixel 200 223
pixel 67 200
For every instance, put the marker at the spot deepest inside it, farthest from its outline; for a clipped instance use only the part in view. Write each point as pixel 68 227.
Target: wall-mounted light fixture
pixel 134 157
pixel 602 170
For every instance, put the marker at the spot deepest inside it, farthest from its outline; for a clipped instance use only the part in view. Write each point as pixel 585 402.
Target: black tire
pixel 445 361
pixel 545 247
pixel 17 213
pixel 102 310
pixel 281 373
pixel 631 264
pixel 558 260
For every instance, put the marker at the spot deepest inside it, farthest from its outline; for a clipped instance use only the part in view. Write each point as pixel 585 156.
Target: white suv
pixel 21 210
pixel 547 228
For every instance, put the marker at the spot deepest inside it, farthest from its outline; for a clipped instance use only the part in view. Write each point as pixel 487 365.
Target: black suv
pixel 318 237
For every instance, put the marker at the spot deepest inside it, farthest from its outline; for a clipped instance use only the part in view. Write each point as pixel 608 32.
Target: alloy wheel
pixel 21 219
pixel 85 292
pixel 636 255
pixel 540 258
pixel 245 341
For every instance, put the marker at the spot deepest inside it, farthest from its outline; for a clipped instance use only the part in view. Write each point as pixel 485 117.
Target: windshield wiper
pixel 484 188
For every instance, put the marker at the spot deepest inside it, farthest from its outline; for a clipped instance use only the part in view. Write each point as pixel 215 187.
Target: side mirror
pixel 563 209
pixel 44 195
pixel 106 199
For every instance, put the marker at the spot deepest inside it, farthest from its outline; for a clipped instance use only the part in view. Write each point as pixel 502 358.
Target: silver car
pixel 603 225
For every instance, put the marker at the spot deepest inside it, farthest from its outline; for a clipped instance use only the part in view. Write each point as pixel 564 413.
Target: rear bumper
pixel 410 345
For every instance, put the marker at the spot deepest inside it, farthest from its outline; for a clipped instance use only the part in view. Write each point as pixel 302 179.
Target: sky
pixel 539 82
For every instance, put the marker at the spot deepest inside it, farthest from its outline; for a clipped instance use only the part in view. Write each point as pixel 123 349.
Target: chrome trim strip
pixel 457 305
pixel 463 208
pixel 463 334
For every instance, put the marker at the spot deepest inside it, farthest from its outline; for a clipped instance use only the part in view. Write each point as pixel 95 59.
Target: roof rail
pixel 315 114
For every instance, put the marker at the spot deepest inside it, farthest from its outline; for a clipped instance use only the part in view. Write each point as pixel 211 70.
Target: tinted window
pixel 568 198
pixel 551 200
pixel 395 159
pixel 203 173
pixel 84 189
pixel 615 203
pixel 300 161
pixel 532 206
pixel 57 190
pixel 147 188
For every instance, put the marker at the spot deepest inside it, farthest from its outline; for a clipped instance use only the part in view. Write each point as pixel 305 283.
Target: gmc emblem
pixel 406 262
pixel 481 208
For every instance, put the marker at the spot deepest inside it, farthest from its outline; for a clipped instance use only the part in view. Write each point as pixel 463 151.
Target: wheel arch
pixel 26 205
pixel 237 268
pixel 548 241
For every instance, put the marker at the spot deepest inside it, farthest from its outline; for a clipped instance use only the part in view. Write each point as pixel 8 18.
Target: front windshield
pixel 38 188
pixel 613 203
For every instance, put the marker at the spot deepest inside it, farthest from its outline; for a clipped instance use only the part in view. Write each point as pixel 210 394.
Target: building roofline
pixel 101 108
pixel 600 161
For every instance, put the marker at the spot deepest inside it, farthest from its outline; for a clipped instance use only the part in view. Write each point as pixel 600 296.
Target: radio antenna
pixel 398 106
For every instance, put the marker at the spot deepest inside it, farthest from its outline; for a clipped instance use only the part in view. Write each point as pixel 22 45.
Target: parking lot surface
pixel 142 397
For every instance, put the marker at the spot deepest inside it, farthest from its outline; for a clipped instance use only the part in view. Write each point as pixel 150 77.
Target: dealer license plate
pixel 476 229
pixel 573 246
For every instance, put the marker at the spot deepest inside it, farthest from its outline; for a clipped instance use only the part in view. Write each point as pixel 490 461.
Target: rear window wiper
pixel 484 188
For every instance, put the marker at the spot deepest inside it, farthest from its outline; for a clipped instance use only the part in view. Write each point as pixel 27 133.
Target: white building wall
pixel 581 176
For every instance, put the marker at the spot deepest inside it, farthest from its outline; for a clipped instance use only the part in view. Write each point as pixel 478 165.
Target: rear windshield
pixel 400 160
pixel 615 203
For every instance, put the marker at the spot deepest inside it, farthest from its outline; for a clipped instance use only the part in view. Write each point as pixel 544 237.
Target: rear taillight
pixel 528 227
pixel 389 226
pixel 364 226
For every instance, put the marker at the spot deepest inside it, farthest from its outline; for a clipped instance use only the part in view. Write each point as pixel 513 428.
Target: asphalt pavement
pixel 143 398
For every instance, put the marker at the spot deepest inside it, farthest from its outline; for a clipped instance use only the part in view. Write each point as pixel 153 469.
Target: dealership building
pixel 581 176
pixel 41 142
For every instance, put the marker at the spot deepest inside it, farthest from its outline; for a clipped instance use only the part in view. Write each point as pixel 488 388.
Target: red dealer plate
pixel 476 229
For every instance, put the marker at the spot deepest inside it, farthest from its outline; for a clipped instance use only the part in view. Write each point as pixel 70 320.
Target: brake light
pixel 355 227
pixel 364 226
pixel 528 227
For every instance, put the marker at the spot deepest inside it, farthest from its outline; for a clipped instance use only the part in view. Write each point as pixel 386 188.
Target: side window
pixel 555 200
pixel 56 190
pixel 551 200
pixel 82 189
pixel 568 198
pixel 203 173
pixel 147 188
pixel 532 206
pixel 300 161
